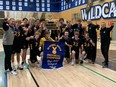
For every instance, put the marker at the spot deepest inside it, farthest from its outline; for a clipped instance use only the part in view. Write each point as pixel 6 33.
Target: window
pixel 20 8
pixel 7 7
pixel 1 7
pixel 37 0
pixel 48 5
pixel 48 9
pixel 20 3
pixel 43 0
pixel 69 6
pixel 43 5
pixel 75 3
pixel 13 3
pixel 13 8
pixel 31 0
pixel 61 8
pixel 43 9
pixel 37 9
pixel 7 2
pixel 1 2
pixel 37 4
pixel 83 1
pixel 48 1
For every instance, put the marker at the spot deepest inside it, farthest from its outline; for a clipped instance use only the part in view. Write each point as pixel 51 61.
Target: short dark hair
pixel 27 25
pixel 61 19
pixel 25 19
pixel 37 20
pixel 42 19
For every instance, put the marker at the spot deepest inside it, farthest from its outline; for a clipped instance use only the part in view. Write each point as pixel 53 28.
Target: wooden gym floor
pixel 87 75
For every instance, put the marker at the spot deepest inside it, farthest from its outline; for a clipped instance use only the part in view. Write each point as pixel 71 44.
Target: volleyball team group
pixel 80 41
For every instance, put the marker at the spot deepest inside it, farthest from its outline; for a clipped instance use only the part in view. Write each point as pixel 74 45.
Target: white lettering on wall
pixel 112 10
pixel 96 12
pixel 105 15
pixel 84 15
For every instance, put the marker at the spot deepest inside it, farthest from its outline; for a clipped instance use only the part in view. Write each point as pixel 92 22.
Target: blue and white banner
pixel 53 55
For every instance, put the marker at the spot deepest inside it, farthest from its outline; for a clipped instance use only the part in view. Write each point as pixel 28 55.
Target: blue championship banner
pixel 53 55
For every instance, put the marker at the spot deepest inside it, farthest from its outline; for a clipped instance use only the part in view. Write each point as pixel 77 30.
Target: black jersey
pixel 21 29
pixel 76 43
pixel 22 32
pixel 62 29
pixel 24 42
pixel 87 44
pixel 78 28
pixel 17 41
pixel 31 31
pixel 92 32
pixel 34 44
pixel 70 30
pixel 105 35
pixel 68 41
pixel 17 36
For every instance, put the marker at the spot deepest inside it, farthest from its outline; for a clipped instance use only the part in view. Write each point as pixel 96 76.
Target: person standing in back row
pixel 105 41
pixel 93 35
pixel 8 38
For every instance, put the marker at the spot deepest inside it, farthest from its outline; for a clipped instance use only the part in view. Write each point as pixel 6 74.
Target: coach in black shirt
pixel 93 35
pixel 105 41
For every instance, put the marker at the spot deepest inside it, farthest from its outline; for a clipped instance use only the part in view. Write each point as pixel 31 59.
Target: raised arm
pixel 5 26
pixel 111 27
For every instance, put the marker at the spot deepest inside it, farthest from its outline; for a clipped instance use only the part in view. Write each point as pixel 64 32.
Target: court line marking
pixel 5 73
pixel 33 77
pixel 99 74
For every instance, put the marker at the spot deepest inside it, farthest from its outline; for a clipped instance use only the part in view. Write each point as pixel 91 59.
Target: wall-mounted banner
pixel 107 10
pixel 53 55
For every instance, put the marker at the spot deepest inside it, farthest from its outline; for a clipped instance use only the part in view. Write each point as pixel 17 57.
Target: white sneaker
pixel 13 72
pixel 14 68
pixel 72 63
pixel 20 67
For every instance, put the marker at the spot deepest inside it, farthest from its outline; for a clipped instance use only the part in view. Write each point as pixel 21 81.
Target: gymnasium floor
pixel 87 75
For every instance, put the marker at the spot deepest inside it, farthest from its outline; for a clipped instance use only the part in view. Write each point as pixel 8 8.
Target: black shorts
pixel 24 45
pixel 33 55
pixel 67 54
pixel 16 49
pixel 76 49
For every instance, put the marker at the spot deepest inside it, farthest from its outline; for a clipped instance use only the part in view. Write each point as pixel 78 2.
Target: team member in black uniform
pixel 32 28
pixel 87 46
pixel 93 35
pixel 42 27
pixel 24 43
pixel 69 29
pixel 68 45
pixel 17 45
pixel 76 44
pixel 79 28
pixel 34 44
pixel 105 42
pixel 54 32
pixel 37 23
pixel 62 26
